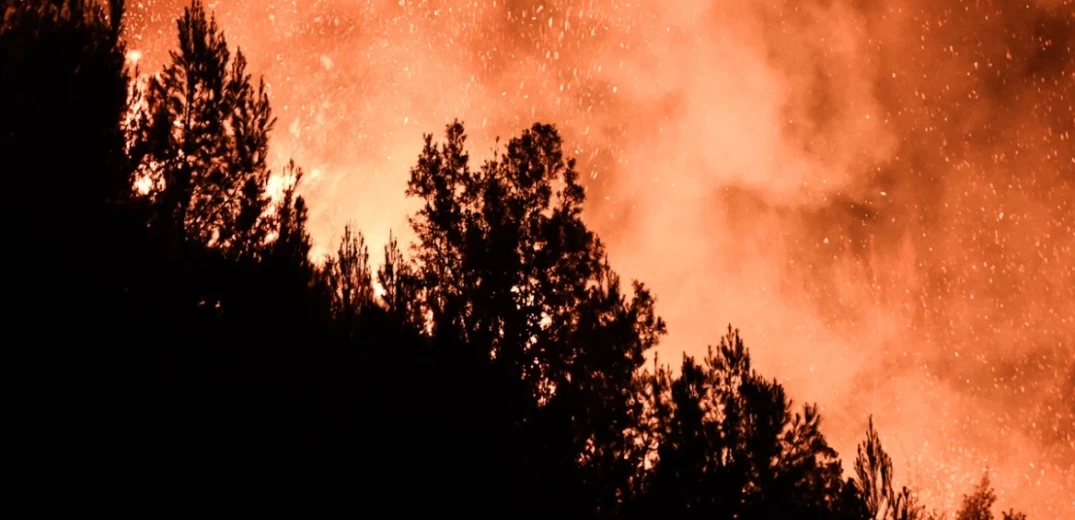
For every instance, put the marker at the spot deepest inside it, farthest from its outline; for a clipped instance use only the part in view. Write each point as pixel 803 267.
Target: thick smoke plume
pixel 880 194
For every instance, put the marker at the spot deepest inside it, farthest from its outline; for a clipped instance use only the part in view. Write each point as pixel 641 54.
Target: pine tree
pixel 874 485
pixel 400 284
pixel 511 273
pixel 63 98
pixel 978 505
pixel 499 371
pixel 206 135
pixel 291 242
pixel 350 281
pixel 63 81
pixel 730 447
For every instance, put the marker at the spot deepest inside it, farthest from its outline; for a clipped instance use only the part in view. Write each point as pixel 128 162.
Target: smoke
pixel 879 194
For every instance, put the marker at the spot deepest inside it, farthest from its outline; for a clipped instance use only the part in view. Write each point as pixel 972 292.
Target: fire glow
pixel 879 194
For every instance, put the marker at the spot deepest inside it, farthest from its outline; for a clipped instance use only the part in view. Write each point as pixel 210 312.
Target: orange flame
pixel 878 193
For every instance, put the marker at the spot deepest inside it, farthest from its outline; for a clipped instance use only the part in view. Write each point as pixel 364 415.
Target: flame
pixel 879 194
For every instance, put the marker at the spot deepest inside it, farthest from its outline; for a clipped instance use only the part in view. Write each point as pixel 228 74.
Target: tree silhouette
pixel 978 505
pixel 494 368
pixel 511 274
pixel 64 81
pixel 400 284
pixel 290 239
pixel 350 279
pixel 873 468
pixel 206 136
pixel 731 448
pixel 63 97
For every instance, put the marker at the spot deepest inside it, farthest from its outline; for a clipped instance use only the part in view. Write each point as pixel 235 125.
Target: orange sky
pixel 879 194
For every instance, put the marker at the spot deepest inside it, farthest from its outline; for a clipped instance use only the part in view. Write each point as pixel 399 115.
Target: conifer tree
pixel 978 504
pixel 206 136
pixel 874 485
pixel 291 242
pixel 498 370
pixel 509 269
pixel 350 280
pixel 63 97
pixel 400 284
pixel 730 446
pixel 63 81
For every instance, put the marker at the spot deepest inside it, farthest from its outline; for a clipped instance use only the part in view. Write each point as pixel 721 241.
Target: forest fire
pixel 878 194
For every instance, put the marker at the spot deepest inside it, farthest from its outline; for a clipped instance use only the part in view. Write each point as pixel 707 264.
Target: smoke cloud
pixel 879 194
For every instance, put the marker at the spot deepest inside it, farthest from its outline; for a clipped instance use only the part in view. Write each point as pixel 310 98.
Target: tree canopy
pixel 496 366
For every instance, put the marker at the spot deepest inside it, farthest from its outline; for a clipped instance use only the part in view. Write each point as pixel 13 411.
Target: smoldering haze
pixel 878 193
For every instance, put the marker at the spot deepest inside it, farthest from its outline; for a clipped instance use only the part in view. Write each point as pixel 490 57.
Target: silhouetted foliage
pixel 495 368
pixel 350 279
pixel 1011 514
pixel 873 468
pixel 63 97
pixel 64 85
pixel 400 284
pixel 511 275
pixel 206 137
pixel 64 88
pixel 730 446
pixel 978 505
